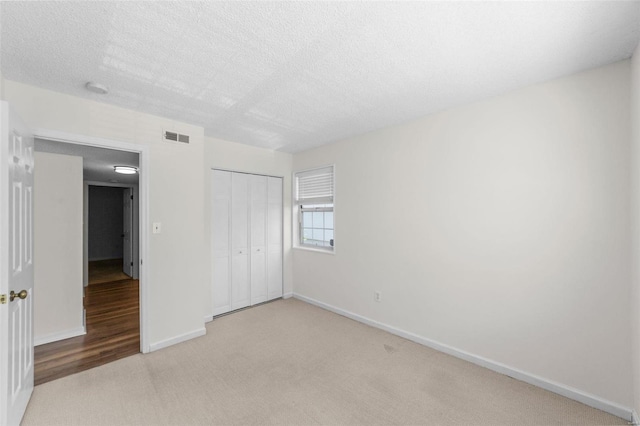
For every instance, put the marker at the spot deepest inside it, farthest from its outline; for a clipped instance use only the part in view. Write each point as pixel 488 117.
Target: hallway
pixel 113 326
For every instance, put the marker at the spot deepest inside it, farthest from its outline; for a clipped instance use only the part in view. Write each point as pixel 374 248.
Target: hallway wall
pixel 58 310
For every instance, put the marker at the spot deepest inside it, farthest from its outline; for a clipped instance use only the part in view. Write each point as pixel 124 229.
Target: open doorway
pixel 107 262
pixel 111 232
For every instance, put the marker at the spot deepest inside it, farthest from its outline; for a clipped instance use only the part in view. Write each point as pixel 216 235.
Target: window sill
pixel 317 250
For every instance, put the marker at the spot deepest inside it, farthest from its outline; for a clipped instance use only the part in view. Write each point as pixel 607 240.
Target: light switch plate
pixel 157 227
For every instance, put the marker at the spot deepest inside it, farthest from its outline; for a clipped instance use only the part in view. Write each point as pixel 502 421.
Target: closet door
pixel 240 287
pixel 220 226
pixel 274 238
pixel 258 239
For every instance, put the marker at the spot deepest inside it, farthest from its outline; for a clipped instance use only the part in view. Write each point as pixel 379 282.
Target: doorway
pixel 110 283
pixel 111 232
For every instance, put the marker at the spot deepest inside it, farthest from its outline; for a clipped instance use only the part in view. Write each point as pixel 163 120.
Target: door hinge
pixel 132 197
pixel 3 299
pixel 131 263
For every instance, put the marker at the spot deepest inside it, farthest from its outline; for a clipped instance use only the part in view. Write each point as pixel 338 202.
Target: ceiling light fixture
pixel 97 88
pixel 125 170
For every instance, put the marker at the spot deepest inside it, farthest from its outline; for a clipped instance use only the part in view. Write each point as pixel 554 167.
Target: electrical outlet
pixel 157 227
pixel 377 296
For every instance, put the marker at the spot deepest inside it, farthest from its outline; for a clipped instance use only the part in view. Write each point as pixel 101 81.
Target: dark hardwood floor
pixel 113 332
pixel 104 271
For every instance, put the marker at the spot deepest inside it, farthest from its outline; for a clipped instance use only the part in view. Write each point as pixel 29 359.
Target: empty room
pixel 340 213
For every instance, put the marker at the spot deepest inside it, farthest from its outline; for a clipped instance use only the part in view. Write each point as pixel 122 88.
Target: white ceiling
pixel 97 163
pixel 294 75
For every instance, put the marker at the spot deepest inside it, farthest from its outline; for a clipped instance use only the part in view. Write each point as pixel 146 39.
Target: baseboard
pixel 208 318
pixel 550 385
pixel 177 339
pixel 288 295
pixel 54 337
pixel 635 420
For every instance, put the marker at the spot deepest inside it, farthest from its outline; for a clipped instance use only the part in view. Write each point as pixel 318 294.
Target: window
pixel 314 200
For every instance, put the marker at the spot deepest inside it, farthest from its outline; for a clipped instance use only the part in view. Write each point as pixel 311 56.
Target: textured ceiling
pixel 97 163
pixel 294 75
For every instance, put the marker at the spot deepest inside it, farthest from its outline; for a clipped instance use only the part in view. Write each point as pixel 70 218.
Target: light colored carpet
pixel 288 362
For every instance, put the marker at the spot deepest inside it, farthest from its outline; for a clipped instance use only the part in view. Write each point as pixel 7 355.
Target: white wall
pixel 500 228
pixel 635 218
pixel 243 158
pixel 58 310
pixel 177 262
pixel 180 256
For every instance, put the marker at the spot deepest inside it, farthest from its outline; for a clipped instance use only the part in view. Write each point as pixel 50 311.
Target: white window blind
pixel 315 186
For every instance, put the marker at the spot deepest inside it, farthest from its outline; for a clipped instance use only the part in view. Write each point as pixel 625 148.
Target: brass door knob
pixel 21 295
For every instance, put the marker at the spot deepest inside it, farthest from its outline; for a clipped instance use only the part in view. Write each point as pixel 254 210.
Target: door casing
pixel 143 213
pixel 127 242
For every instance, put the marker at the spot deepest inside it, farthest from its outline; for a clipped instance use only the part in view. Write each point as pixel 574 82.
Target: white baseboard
pixel 550 385
pixel 177 339
pixel 287 295
pixel 54 337
pixel 208 318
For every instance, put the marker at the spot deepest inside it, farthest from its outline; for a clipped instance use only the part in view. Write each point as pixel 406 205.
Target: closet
pixel 246 239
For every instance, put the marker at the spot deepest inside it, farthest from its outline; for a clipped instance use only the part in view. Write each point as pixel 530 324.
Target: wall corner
pixel 635 229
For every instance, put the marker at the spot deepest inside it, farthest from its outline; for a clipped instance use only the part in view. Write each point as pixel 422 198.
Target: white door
pixel 246 235
pixel 258 237
pixel 240 285
pixel 127 231
pixel 16 269
pixel 220 233
pixel 274 238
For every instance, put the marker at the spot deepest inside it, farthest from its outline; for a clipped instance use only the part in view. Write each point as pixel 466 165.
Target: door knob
pixel 21 295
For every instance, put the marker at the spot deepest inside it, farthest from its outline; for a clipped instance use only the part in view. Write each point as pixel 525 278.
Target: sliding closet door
pixel 240 288
pixel 258 239
pixel 220 225
pixel 274 238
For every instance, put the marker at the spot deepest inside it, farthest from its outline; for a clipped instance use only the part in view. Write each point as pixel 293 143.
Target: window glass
pixel 307 219
pixel 328 235
pixel 318 220
pixel 328 220
pixel 316 225
pixel 318 236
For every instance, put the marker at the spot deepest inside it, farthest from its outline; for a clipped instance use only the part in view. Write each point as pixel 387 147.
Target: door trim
pixel 143 188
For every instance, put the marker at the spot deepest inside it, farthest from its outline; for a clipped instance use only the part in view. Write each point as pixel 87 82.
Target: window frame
pixel 298 210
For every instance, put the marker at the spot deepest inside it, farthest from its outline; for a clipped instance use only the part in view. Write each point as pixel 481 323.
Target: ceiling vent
pixel 175 137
